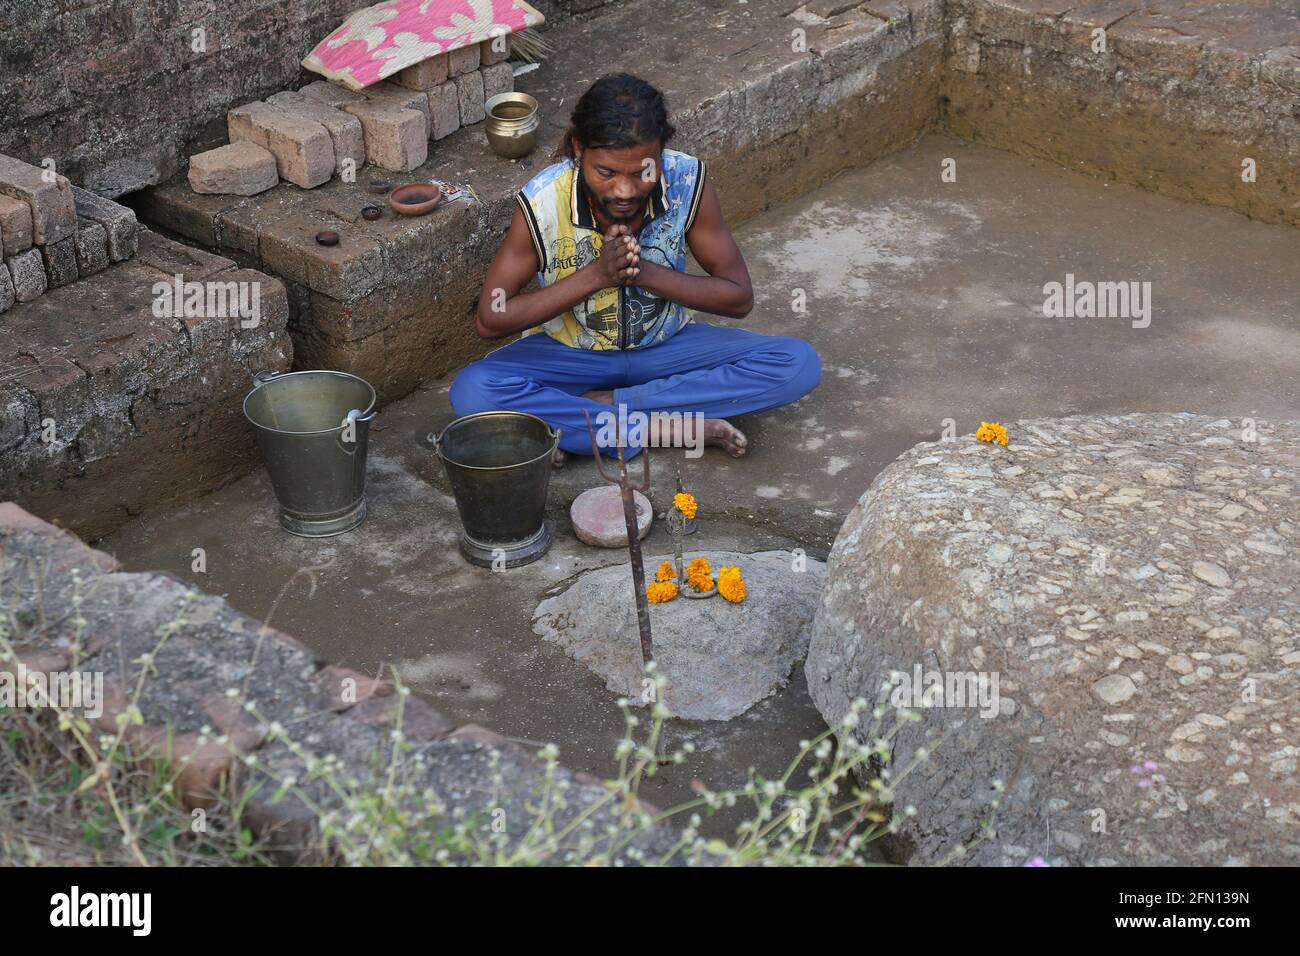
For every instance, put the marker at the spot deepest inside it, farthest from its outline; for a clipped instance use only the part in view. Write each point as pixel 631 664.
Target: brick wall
pixel 114 92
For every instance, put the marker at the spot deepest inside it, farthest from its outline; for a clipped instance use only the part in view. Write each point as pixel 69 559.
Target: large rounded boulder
pixel 1097 625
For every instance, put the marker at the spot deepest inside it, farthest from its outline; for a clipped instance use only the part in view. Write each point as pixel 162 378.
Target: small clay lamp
pixel 380 186
pixel 371 213
pixel 415 199
pixel 327 237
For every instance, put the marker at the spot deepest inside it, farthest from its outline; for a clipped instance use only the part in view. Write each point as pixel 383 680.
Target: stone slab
pixel 60 262
pixel 424 75
pixel 27 271
pixel 344 128
pixel 53 211
pixel 717 658
pixel 396 139
pixel 331 94
pixel 92 248
pixel 240 169
pixel 399 97
pixel 497 79
pixel 463 61
pixel 119 222
pixel 15 226
pixel 444 111
pixel 303 149
pixel 469 93
pixel 597 516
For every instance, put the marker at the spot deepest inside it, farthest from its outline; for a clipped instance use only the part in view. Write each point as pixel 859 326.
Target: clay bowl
pixel 414 199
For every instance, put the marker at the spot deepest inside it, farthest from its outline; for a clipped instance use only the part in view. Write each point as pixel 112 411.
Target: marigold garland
pixel 699 575
pixel 661 591
pixel 685 503
pixel 992 432
pixel 666 572
pixel 731 585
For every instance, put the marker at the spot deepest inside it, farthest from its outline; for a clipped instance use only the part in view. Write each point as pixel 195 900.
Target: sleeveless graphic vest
pixel 566 238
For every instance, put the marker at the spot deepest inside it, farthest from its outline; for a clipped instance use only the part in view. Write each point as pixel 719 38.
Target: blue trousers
pixel 714 370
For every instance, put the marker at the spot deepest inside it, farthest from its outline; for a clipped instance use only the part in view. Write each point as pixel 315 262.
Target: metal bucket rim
pixel 281 376
pixel 497 413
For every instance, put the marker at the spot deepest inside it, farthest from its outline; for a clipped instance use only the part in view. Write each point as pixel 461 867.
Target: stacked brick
pixel 324 130
pixel 53 233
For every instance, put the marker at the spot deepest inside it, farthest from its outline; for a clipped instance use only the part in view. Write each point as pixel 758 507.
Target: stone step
pixel 113 404
pixel 103 231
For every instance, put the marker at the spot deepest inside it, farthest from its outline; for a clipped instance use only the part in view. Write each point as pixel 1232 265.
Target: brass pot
pixel 512 124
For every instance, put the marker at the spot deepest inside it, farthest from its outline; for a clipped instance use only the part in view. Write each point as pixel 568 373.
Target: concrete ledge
pixel 110 408
pixel 1175 103
pixel 190 718
pixel 394 301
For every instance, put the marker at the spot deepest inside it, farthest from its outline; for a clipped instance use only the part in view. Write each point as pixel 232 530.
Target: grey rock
pixel 717 658
pixel 1109 666
pixel 7 297
pixel 15 226
pixel 60 262
pixel 118 221
pixel 27 270
pixel 1211 573
pixel 92 247
pixel 49 198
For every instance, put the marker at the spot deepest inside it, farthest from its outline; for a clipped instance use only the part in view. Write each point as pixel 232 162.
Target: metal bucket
pixel 499 466
pixel 302 427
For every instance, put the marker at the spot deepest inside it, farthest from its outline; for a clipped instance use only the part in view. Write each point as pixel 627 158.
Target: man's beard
pixel 604 206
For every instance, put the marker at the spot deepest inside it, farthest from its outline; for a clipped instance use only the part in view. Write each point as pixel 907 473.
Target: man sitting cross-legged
pixel 605 231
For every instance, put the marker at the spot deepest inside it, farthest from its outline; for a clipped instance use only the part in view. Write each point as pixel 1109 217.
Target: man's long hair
pixel 617 111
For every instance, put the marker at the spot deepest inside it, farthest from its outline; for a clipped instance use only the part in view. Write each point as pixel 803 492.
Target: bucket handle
pixel 432 438
pixel 350 447
pixel 261 378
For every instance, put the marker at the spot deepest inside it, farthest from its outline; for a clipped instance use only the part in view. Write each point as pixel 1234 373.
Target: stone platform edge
pixel 113 405
pixel 201 649
pixel 1208 116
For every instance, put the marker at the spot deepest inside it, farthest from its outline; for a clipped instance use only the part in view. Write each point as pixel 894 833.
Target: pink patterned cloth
pixel 377 42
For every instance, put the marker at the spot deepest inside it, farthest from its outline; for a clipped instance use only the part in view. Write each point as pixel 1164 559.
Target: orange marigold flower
pixel 992 432
pixel 685 504
pixel 661 591
pixel 731 585
pixel 666 572
pixel 699 575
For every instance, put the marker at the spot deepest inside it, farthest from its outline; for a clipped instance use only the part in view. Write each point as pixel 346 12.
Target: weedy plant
pixel 69 795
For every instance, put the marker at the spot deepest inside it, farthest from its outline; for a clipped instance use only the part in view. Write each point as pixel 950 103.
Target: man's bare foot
pixel 597 395
pixel 717 431
pixel 559 458
pixel 723 434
